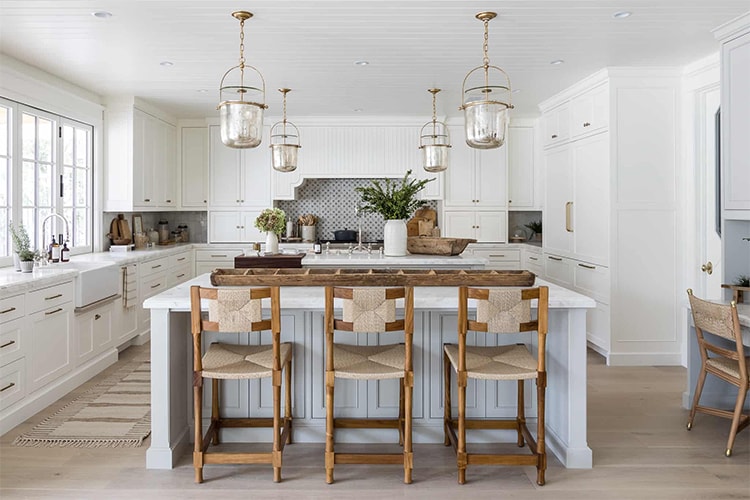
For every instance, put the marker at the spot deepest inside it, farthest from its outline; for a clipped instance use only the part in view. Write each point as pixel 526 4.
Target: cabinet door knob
pixel 554 136
pixel 147 199
pixel 169 201
pixel 238 201
pixel 708 267
pixel 586 124
pixel 97 316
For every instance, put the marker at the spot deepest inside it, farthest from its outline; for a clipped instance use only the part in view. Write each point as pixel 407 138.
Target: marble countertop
pixel 312 298
pixel 360 259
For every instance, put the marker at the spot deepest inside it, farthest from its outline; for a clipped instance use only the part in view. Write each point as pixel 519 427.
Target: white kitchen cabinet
pixel 94 331
pixel 532 260
pixel 13 350
pixel 522 175
pixel 478 179
pixel 125 312
pixel 142 171
pixel 498 256
pixel 194 162
pixel 51 332
pixel 206 260
pixel 180 268
pixel 234 227
pixel 556 125
pixel 152 279
pixel 610 200
pixel 238 178
pixel 483 226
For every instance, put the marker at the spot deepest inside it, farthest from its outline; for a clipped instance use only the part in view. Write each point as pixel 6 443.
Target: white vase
pixel 272 242
pixel 27 266
pixel 394 238
pixel 308 233
pixel 16 261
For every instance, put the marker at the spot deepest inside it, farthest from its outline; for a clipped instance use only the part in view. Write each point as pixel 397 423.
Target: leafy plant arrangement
pixel 22 243
pixel 742 280
pixel 535 225
pixel 392 199
pixel 271 220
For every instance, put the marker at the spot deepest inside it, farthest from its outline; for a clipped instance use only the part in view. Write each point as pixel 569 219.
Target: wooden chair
pixel 729 364
pixel 498 311
pixel 239 310
pixel 370 310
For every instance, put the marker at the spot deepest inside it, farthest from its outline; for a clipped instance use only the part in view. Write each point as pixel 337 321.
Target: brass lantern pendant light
pixel 284 142
pixel 486 103
pixel 434 141
pixel 241 113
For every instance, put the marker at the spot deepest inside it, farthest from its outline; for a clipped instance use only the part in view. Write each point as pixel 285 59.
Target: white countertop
pixel 312 298
pixel 363 259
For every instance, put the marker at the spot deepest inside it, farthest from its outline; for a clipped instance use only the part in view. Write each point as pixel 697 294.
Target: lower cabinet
pixel 206 260
pixel 490 226
pixel 51 332
pixel 94 331
pixel 532 260
pixel 498 256
pixel 125 309
pixel 152 279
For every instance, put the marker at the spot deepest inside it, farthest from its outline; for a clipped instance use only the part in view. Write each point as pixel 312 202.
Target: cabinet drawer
pixel 153 285
pixel 12 342
pixel 179 274
pixel 12 383
pixel 180 259
pixel 11 308
pixel 50 297
pixel 499 255
pixel 154 266
pixel 558 270
pixel 227 254
pixel 592 280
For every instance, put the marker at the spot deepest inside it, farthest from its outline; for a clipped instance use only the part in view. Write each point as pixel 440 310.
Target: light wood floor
pixel 636 430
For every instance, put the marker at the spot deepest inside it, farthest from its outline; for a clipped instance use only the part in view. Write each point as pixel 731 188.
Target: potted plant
pixel 22 248
pixel 273 222
pixel 536 229
pixel 395 201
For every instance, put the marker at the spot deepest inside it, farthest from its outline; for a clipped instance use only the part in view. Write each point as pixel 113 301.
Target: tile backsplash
pixel 197 223
pixel 334 202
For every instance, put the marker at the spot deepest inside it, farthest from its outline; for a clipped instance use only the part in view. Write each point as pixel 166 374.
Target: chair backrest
pixel 233 310
pixel 718 319
pixel 369 310
pixel 504 310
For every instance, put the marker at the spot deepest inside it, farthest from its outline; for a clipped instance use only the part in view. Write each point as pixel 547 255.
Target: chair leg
pixel 447 398
pixel 215 410
pixel 697 396
pixel 329 458
pixel 541 467
pixel 408 454
pixel 276 454
pixel 288 399
pixel 198 432
pixel 401 422
pixel 521 414
pixel 736 417
pixel 461 452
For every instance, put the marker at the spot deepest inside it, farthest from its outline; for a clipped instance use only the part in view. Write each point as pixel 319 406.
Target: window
pixel 52 173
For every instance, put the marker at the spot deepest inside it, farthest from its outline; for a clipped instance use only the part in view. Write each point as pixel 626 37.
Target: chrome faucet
pixel 44 234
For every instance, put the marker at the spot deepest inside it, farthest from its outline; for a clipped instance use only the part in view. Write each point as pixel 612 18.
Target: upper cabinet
pixel 194 160
pixel 238 178
pixel 142 171
pixel 556 125
pixel 523 177
pixel 589 112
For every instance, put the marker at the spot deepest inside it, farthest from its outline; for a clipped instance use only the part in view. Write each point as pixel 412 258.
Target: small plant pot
pixel 27 266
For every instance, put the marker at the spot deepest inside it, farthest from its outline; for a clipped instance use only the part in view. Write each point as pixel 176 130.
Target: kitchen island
pixel 302 323
pixel 376 261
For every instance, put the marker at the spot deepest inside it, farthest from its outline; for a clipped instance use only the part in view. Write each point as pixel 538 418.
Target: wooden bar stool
pixel 498 311
pixel 370 310
pixel 729 364
pixel 239 310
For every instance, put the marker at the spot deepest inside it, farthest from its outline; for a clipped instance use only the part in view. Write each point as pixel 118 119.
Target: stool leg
pixel 447 398
pixel 329 428
pixel 276 455
pixel 521 421
pixel 401 422
pixel 408 456
pixel 215 410
pixel 288 399
pixel 736 417
pixel 541 387
pixel 198 431
pixel 461 452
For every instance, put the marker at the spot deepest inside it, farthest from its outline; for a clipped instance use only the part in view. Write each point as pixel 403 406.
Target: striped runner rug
pixel 114 413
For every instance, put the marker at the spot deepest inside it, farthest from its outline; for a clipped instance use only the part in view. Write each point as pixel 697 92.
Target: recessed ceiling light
pixel 102 14
pixel 361 63
pixel 622 14
pixel 556 62
pixel 166 64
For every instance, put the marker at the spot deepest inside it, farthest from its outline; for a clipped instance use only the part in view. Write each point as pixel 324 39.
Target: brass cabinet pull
pixel 554 258
pixel 10 309
pixel 97 316
pixel 218 255
pixel 156 285
pixel 586 266
pixel 156 266
pixel 53 297
pixel 53 312
pixel 169 201
pixel 586 124
pixel 181 275
pixel 708 267
pixel 554 136
pixel 11 342
pixel 147 199
pixel 568 226
pixel 181 258
pixel 499 255
pixel 238 201
pixel 12 384
pixel 533 258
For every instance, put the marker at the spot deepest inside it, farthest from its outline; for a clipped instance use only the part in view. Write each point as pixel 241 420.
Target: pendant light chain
pixel 486 59
pixel 242 59
pixel 434 115
pixel 284 114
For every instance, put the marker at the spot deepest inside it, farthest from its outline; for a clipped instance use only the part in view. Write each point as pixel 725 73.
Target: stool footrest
pixel 363 423
pixel 368 458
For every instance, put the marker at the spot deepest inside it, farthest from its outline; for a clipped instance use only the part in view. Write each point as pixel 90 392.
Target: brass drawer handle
pixel 568 226
pixel 181 258
pixel 10 309
pixel 181 275
pixel 53 297
pixel 12 384
pixel 586 266
pixel 499 255
pixel 147 199
pixel 11 342
pixel 169 201
pixel 53 312
pixel 156 266
pixel 156 285
pixel 218 255
pixel 554 258
pixel 533 258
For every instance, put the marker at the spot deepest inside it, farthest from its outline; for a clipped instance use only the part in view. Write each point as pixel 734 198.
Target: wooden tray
pixel 370 277
pixel 429 245
pixel 265 261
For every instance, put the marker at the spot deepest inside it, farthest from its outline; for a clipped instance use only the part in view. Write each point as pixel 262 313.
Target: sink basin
pixel 95 280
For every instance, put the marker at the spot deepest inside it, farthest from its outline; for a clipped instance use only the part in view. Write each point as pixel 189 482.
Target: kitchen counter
pixel 435 322
pixel 375 260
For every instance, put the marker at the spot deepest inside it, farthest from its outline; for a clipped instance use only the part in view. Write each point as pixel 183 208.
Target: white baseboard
pixel 645 359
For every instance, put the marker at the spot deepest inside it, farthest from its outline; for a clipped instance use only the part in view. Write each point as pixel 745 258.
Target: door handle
pixel 568 226
pixel 707 268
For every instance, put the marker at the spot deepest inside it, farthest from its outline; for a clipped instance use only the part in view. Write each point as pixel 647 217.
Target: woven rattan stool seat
pixel 369 362
pixel 231 361
pixel 508 362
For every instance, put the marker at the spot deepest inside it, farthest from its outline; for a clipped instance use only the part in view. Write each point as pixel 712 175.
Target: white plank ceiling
pixel 311 47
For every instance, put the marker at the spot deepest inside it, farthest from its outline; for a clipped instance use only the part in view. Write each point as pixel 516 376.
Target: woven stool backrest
pixel 235 310
pixel 368 310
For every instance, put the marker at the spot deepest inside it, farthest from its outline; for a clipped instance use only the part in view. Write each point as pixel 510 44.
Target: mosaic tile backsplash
pixel 334 202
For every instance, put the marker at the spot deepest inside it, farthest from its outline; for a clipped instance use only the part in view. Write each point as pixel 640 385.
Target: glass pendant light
pixel 284 142
pixel 434 141
pixel 241 113
pixel 485 103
